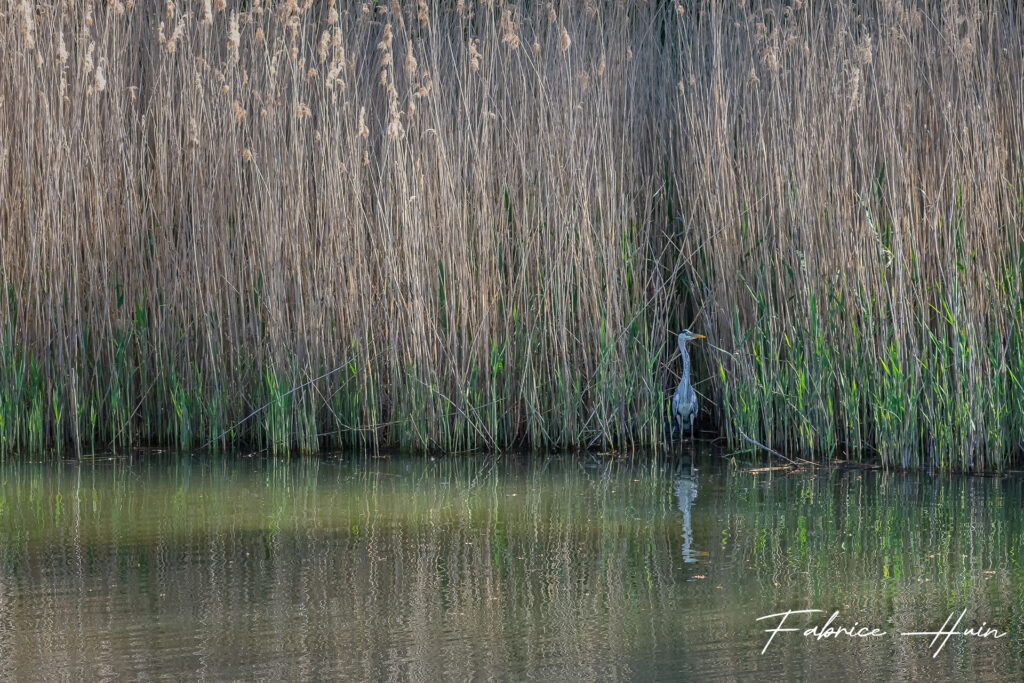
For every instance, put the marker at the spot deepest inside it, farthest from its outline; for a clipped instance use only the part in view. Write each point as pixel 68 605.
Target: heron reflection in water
pixel 686 494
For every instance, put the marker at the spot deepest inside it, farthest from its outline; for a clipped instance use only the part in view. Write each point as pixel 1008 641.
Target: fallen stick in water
pixel 775 452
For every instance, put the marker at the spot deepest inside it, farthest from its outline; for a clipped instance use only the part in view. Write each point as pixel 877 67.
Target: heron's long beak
pixel 698 336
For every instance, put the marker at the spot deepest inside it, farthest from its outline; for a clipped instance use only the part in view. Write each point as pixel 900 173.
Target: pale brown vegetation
pixel 493 217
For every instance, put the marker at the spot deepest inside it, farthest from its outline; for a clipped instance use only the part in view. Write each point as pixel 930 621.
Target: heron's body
pixel 684 407
pixel 684 401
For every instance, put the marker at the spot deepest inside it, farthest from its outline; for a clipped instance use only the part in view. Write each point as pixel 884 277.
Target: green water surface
pixel 350 567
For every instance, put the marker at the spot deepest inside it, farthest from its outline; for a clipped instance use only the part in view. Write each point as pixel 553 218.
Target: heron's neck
pixel 686 360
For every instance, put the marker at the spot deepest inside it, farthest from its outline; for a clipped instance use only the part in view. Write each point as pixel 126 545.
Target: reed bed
pixel 853 177
pixel 465 225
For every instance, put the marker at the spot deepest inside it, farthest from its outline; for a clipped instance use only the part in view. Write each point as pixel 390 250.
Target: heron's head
pixel 687 335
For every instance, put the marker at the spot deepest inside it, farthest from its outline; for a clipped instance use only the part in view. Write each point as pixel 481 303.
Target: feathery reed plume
pixel 234 37
pixel 385 42
pixel 361 128
pixel 87 61
pixel 28 31
pixel 171 43
pixel 395 128
pixel 410 63
pixel 324 46
pixel 99 82
pixel 508 28
pixel 62 49
pixel 563 39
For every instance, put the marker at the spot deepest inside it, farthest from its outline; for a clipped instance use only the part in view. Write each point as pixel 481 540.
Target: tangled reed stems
pixel 467 225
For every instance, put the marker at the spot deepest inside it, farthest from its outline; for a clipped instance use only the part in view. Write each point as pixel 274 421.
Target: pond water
pixel 185 567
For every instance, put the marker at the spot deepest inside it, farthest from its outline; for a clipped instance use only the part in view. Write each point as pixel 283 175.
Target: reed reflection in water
pixel 569 568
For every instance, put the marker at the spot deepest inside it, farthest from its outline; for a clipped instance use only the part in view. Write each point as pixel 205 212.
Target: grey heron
pixel 684 401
